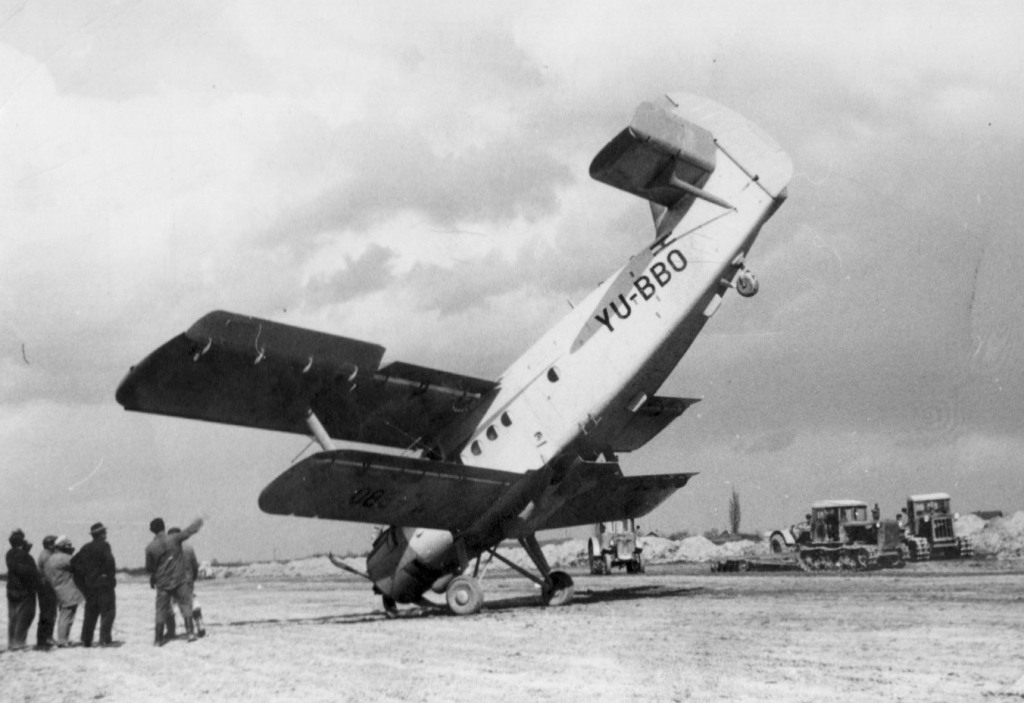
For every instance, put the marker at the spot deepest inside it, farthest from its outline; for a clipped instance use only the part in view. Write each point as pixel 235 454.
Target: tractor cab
pixel 928 517
pixel 842 521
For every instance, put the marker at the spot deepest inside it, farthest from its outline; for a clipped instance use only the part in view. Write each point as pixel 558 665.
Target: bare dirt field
pixel 929 632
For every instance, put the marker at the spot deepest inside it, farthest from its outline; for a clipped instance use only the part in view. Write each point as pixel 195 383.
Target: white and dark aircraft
pixel 536 449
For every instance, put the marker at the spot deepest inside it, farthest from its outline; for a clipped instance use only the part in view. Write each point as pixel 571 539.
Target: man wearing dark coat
pixel 93 567
pixel 22 585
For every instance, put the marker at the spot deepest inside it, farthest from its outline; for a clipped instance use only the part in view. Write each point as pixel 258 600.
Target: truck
pixel 928 529
pixel 841 534
pixel 614 545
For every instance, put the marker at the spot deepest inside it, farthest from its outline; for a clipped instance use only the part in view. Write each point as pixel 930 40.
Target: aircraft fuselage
pixel 576 389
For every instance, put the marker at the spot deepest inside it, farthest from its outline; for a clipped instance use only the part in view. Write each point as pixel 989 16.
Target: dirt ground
pixel 930 632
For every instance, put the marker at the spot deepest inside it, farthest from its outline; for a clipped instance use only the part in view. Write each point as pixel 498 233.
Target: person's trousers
pixel 47 617
pixel 20 614
pixel 65 619
pixel 100 606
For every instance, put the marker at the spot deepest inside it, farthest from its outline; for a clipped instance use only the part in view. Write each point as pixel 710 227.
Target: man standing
pixel 58 572
pixel 191 575
pixel 94 568
pixel 47 597
pixel 168 575
pixel 22 586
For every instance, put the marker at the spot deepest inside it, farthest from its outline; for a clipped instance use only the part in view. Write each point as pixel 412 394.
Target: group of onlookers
pixel 61 579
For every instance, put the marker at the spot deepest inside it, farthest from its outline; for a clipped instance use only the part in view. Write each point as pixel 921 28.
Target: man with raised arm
pixel 169 576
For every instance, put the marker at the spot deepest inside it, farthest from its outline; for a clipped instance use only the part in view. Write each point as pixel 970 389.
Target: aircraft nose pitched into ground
pixel 487 461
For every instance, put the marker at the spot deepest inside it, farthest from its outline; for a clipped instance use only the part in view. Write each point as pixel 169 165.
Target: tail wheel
pixel 464 595
pixel 746 283
pixel 558 589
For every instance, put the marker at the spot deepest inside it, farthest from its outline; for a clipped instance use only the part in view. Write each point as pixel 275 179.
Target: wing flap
pixel 361 486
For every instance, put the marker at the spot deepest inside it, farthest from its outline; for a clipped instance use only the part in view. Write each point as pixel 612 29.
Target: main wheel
pixel 464 595
pixel 558 589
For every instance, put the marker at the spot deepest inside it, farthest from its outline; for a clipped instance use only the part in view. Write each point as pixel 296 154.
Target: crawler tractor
pixel 614 545
pixel 840 534
pixel 928 530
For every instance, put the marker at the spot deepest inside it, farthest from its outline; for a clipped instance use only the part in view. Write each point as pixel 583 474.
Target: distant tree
pixel 734 512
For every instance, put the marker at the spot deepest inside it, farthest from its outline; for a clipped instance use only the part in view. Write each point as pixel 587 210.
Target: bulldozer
pixel 840 534
pixel 614 545
pixel 928 529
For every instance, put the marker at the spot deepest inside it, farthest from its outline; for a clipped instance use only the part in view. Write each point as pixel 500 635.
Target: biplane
pixel 465 463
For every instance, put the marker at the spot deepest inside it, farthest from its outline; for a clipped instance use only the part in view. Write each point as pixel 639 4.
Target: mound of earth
pixel 1002 538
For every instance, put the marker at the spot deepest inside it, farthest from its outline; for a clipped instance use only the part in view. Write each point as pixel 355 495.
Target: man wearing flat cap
pixel 22 585
pixel 94 568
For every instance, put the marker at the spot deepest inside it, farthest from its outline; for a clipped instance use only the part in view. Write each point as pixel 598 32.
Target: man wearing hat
pixel 22 586
pixel 47 597
pixel 58 572
pixel 93 568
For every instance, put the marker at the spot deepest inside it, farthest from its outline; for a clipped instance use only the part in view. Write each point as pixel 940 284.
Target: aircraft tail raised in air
pixel 538 447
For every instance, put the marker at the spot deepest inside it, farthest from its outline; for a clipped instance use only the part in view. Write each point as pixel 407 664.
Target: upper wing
pixel 387 490
pixel 608 495
pixel 246 371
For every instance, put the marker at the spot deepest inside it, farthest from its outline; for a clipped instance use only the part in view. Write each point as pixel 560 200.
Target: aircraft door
pixel 551 431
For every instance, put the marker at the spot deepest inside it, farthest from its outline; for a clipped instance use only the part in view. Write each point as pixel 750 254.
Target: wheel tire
pixel 464 595
pixel 558 589
pixel 746 284
pixel 778 544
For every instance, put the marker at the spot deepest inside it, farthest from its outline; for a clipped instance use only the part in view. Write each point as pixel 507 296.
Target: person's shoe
pixel 191 637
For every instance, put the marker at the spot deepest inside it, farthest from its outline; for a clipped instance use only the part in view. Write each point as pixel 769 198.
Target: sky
pixel 416 175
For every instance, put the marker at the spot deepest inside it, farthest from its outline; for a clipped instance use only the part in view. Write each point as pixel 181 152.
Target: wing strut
pixel 319 433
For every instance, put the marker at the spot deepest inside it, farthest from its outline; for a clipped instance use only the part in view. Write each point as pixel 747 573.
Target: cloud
pixel 416 176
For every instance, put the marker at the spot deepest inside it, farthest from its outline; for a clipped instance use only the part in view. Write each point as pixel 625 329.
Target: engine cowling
pixel 405 562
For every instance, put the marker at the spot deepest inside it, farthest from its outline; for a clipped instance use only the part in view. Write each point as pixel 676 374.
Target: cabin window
pixel 492 434
pixel 475 448
pixel 553 374
pixel 506 420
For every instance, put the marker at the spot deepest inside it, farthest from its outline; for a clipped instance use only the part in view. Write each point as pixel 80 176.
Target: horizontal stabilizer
pixel 386 490
pixel 660 157
pixel 246 371
pixel 650 419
